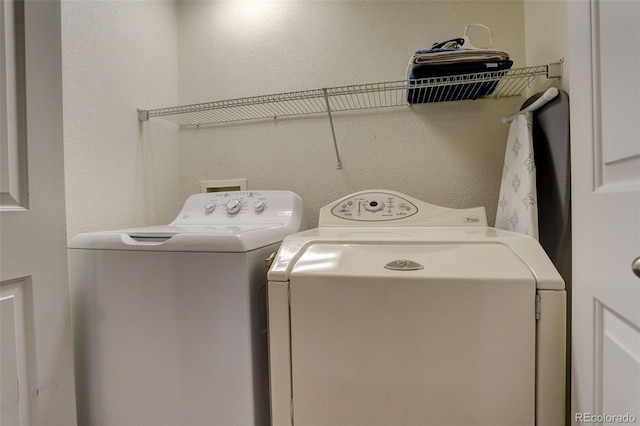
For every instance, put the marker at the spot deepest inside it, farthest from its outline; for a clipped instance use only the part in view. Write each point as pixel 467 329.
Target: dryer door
pixel 451 343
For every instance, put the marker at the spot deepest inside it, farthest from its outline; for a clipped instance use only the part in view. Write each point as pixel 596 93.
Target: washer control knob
pixel 259 206
pixel 234 206
pixel 209 207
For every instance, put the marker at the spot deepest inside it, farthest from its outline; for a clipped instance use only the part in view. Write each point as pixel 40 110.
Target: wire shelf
pixel 351 98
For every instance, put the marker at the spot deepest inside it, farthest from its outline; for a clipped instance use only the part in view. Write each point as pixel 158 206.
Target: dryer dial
pixel 374 205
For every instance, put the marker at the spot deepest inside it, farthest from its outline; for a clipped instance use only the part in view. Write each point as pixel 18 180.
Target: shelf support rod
pixel 333 132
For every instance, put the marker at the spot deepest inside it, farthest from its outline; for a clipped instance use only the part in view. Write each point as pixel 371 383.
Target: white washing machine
pixel 397 312
pixel 169 321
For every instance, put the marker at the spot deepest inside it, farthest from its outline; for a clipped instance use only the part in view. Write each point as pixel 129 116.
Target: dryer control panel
pixel 374 206
pixel 389 208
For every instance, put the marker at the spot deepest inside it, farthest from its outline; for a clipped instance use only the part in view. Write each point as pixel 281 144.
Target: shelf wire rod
pixel 344 103
pixel 249 112
pixel 516 85
pixel 387 96
pixel 264 110
pixel 302 107
pixel 255 112
pixel 366 100
pixel 378 98
pixel 189 119
pixel 197 118
pixel 362 100
pixel 349 103
pixel 335 101
pixel 314 105
pixel 205 117
pixel 320 105
pixel 271 109
pixel 311 106
pixel 228 115
pixel 285 108
pixel 333 132
pixel 373 99
pixel 383 98
pixel 293 108
pixel 504 88
pixel 280 109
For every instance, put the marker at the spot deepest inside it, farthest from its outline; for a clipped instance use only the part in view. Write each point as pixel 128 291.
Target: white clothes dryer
pixel 397 312
pixel 169 321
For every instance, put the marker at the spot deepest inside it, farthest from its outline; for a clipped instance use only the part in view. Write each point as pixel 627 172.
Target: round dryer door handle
pixel 635 266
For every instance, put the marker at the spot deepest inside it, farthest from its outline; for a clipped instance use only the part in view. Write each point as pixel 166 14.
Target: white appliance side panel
pixel 551 358
pixel 279 335
pixel 167 337
pixel 380 347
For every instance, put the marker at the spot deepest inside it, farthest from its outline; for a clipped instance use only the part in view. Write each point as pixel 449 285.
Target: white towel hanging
pixel 517 202
pixel 537 104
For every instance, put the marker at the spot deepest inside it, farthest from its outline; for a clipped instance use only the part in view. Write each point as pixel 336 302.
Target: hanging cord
pixel 467 40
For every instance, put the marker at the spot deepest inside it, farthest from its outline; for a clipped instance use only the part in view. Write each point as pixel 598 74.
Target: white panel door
pixel 36 363
pixel 605 125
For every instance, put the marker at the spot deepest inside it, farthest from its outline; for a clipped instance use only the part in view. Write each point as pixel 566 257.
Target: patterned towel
pixel 517 206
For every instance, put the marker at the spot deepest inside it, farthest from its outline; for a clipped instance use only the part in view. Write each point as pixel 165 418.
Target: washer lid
pixel 204 238
pixel 236 221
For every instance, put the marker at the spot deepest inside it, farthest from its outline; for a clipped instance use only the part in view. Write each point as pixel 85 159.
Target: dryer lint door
pixel 452 343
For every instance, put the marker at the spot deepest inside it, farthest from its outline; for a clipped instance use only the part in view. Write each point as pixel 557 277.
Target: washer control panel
pixel 235 207
pixel 374 206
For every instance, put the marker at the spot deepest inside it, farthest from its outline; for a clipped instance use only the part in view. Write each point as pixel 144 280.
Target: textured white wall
pixel 546 38
pixel 448 154
pixel 117 56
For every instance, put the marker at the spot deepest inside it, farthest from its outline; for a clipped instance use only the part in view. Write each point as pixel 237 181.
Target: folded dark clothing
pixel 459 89
pixel 426 71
